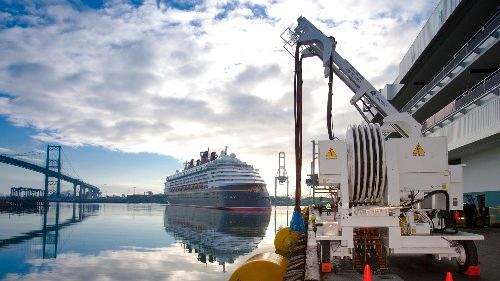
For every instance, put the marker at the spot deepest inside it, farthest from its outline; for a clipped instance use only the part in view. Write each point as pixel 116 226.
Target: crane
pixel 395 188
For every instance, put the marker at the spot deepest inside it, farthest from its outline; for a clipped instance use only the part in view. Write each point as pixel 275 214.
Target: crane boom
pixel 315 43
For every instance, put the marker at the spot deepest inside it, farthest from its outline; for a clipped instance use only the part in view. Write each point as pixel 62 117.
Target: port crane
pixel 395 188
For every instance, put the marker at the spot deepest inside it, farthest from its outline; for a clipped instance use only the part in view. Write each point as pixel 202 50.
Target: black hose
pixel 329 125
pixel 429 195
pixel 446 218
pixel 297 109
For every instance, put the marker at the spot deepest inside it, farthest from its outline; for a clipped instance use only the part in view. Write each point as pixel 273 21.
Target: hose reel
pixel 367 171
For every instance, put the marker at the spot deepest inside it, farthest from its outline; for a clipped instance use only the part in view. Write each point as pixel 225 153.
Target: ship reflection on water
pixel 216 236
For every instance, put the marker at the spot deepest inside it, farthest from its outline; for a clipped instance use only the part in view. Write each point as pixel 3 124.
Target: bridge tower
pixel 50 236
pixel 53 162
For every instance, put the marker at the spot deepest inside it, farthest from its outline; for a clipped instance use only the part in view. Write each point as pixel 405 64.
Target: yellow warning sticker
pixel 418 150
pixel 331 154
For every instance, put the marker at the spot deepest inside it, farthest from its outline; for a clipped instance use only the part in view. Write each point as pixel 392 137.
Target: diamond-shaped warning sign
pixel 331 154
pixel 418 150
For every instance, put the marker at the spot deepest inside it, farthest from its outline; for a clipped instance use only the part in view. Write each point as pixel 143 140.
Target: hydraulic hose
pixel 429 195
pixel 446 218
pixel 297 109
pixel 329 125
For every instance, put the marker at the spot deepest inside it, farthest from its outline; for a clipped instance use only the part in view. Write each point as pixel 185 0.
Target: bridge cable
pixel 69 163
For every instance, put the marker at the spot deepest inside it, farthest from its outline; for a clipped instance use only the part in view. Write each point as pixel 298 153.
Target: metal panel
pixel 455 187
pixel 433 159
pixel 332 159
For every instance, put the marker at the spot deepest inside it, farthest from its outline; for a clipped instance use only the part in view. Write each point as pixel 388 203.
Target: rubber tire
pixel 471 258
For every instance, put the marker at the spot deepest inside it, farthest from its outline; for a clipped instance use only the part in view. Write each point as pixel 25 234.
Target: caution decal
pixel 331 154
pixel 418 150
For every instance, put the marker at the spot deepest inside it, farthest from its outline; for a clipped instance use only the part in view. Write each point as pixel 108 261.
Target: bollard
pixel 367 274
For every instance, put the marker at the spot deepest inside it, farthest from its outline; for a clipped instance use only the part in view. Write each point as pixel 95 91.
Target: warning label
pixel 418 150
pixel 331 154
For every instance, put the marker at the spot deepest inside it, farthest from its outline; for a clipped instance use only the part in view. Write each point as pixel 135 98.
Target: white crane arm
pixel 315 43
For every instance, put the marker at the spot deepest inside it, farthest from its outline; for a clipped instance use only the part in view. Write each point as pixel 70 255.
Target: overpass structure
pixel 53 175
pixel 449 80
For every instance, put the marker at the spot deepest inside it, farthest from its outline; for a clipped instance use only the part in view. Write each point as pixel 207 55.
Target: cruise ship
pixel 218 181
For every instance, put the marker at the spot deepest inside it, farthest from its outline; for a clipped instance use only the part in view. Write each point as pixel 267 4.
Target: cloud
pixel 125 264
pixel 4 150
pixel 173 77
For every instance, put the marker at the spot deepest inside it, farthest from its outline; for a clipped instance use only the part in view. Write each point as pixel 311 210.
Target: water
pixel 132 242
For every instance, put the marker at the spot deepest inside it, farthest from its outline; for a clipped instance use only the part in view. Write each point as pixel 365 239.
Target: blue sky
pixel 113 171
pixel 132 88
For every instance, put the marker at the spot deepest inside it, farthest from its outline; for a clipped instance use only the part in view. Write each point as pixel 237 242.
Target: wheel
pixel 467 255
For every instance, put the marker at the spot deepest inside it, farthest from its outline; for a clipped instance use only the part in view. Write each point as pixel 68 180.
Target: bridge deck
pixel 39 169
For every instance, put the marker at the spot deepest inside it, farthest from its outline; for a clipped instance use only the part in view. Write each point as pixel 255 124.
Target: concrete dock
pixel 416 268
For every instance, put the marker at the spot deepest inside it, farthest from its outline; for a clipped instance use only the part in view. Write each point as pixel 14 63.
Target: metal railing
pixel 472 95
pixel 482 35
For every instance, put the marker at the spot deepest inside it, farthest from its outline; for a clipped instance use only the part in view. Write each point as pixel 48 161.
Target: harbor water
pixel 72 241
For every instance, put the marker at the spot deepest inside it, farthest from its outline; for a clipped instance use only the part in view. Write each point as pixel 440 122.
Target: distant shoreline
pixel 158 199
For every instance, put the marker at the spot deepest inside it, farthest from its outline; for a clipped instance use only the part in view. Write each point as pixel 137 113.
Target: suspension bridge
pixel 52 170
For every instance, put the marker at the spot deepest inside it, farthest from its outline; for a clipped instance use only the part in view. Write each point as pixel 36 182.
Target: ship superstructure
pixel 214 181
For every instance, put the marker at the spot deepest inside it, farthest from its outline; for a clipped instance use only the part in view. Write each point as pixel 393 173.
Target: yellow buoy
pixel 285 239
pixel 265 266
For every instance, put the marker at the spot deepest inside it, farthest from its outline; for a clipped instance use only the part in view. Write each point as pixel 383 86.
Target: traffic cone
pixel 473 270
pixel 367 274
pixel 449 277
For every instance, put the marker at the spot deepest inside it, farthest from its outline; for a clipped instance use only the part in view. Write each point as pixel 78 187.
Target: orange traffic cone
pixel 449 277
pixel 367 274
